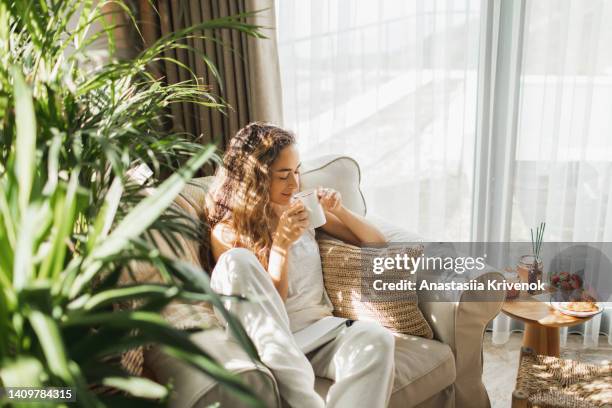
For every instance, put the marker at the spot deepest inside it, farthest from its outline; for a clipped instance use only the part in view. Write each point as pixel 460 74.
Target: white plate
pixel 559 307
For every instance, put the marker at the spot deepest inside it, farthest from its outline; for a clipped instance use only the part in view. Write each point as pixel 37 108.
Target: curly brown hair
pixel 240 197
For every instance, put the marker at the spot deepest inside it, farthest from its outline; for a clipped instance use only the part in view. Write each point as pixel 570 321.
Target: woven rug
pixel 545 382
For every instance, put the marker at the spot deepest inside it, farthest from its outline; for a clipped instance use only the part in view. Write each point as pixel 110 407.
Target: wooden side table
pixel 542 323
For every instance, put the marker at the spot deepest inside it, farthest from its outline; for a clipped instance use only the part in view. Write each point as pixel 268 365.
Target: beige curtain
pixel 249 70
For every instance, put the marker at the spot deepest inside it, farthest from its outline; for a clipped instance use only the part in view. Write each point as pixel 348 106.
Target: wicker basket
pixel 544 382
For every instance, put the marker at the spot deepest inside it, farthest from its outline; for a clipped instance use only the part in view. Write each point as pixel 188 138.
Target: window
pixel 563 170
pixel 393 85
pixel 399 86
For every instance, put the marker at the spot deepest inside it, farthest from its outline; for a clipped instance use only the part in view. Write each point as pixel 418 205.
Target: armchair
pixel 443 372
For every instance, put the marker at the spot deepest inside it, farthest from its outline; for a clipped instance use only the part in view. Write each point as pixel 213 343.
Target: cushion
pixel 195 192
pixel 338 172
pixel 347 278
pixel 394 233
pixel 422 368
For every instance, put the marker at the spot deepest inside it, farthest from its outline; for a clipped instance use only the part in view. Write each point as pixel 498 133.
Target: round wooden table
pixel 542 323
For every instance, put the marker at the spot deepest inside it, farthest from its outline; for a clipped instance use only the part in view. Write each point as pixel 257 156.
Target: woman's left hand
pixel 330 199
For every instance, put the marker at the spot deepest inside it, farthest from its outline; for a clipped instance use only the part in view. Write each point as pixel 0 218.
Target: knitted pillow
pixel 347 280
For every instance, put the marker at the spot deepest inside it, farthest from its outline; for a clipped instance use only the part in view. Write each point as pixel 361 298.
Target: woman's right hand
pixel 291 225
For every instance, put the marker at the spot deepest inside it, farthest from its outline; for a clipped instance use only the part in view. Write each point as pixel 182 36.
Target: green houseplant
pixel 70 220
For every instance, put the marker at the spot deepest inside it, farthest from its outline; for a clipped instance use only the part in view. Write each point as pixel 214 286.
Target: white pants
pixel 360 360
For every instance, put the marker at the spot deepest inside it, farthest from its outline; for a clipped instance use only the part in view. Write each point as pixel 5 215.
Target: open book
pixel 319 333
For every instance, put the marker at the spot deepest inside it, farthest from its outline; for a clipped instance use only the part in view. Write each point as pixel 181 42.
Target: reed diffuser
pixel 535 269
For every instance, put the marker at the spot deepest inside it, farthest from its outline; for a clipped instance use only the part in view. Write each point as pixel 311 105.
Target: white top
pixel 307 301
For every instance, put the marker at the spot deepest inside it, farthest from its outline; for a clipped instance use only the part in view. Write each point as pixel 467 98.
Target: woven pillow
pixel 345 279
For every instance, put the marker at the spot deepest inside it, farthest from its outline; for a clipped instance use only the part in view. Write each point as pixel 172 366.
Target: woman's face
pixel 285 176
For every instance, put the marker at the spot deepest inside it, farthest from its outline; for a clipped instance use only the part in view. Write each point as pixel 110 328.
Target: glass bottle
pixel 534 275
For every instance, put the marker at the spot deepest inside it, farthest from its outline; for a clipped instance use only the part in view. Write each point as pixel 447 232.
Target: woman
pixel 264 249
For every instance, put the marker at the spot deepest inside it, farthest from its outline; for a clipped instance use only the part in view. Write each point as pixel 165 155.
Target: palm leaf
pixel 50 339
pixel 106 216
pixel 152 329
pixel 137 387
pixel 63 223
pixel 138 220
pixel 146 322
pixel 25 371
pixel 25 146
pixel 33 217
pixel 118 295
pixel 197 280
pixel 67 136
pixel 197 361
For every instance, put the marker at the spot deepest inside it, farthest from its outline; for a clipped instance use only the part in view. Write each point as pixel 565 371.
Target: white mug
pixel 309 198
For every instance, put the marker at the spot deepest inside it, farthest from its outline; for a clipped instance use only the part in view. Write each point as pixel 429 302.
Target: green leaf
pixel 23 268
pixel 152 329
pixel 4 28
pixel 137 386
pixel 8 217
pixel 92 347
pixel 149 209
pixel 25 144
pixel 95 346
pixel 63 223
pixel 7 251
pixel 81 386
pixel 53 164
pixel 85 21
pixel 147 322
pixel 106 216
pixel 5 324
pixel 48 335
pixel 22 372
pixel 139 219
pixel 218 373
pixel 112 296
pixel 194 278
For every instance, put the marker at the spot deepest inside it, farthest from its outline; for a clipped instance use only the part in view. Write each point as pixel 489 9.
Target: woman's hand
pixel 291 225
pixel 330 199
pixel 344 224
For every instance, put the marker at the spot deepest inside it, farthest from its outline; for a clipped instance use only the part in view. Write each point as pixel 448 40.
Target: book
pixel 320 332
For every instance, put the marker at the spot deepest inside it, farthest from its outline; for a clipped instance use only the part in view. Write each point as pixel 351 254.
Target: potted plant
pixel 70 221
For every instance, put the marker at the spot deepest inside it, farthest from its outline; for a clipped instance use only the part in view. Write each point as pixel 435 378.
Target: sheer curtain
pixel 392 84
pixel 563 168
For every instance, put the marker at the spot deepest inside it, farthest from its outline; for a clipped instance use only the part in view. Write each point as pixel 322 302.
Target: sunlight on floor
pixel 501 363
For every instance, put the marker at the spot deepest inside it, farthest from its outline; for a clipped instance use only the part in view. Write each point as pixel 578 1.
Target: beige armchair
pixel 443 372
